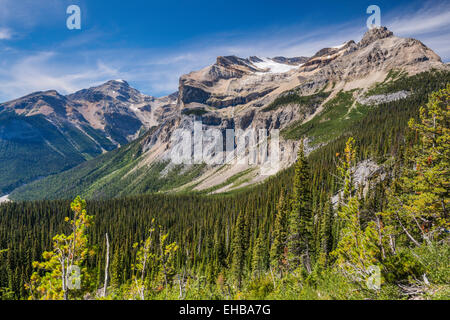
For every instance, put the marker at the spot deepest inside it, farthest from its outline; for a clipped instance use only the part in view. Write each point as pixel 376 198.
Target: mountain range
pixel 112 140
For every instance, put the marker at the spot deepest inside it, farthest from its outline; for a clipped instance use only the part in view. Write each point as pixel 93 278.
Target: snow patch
pixel 274 67
pixel 4 199
pixel 339 47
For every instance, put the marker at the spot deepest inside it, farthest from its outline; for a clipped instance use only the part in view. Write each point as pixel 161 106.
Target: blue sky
pixel 151 43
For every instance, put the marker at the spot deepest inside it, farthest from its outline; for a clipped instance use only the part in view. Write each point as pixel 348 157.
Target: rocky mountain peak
pixel 375 34
pixel 229 61
pixel 117 83
pixel 109 91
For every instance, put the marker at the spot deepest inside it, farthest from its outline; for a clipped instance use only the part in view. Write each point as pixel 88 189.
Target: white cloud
pixel 430 24
pixel 426 20
pixel 5 34
pixel 26 14
pixel 42 72
pixel 157 72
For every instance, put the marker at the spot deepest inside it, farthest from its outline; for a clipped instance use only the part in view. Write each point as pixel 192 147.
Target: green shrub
pixel 402 266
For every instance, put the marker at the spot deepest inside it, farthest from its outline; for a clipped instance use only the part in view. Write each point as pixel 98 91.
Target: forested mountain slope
pixel 236 246
pixel 377 127
pixel 45 133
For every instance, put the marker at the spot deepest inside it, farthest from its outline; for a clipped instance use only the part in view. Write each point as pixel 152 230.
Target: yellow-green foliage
pixel 50 282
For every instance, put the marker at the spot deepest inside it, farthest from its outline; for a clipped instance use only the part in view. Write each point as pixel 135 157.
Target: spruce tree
pixel 278 259
pixel 238 250
pixel 301 242
pixel 258 258
pixel 326 232
pixel 419 199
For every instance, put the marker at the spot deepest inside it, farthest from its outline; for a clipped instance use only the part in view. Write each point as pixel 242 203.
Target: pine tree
pixel 418 199
pixel 427 186
pixel 301 241
pixel 116 269
pixel 68 255
pixel 357 250
pixel 258 259
pixel 144 257
pixel 238 250
pixel 278 259
pixel 326 232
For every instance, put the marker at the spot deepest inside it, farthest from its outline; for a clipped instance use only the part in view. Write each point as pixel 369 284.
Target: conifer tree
pixel 258 259
pixel 238 250
pixel 424 198
pixel 144 256
pixel 326 232
pixel 64 265
pixel 167 257
pixel 278 258
pixel 116 269
pixel 301 241
pixel 357 250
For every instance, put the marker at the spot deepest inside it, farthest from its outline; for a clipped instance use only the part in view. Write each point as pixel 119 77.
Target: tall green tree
pixel 326 232
pixel 419 199
pixel 278 250
pixel 238 250
pixel 301 240
pixel 258 256
pixel 357 250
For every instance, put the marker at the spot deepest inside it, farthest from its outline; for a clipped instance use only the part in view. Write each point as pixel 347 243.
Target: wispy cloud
pixel 430 24
pixel 42 72
pixel 426 20
pixel 5 34
pixel 156 72
pixel 27 14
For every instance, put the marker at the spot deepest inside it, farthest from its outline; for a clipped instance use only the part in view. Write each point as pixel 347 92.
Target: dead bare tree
pixel 106 266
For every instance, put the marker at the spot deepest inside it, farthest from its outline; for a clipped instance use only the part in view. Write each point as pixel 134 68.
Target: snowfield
pixel 274 67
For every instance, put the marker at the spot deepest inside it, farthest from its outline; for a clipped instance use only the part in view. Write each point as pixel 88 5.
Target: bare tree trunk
pixel 380 238
pixel 64 278
pixel 406 231
pixel 273 278
pixel 181 282
pixel 392 243
pixel 105 286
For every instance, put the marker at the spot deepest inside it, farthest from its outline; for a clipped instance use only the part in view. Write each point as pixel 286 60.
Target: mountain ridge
pixel 237 93
pixel 44 132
